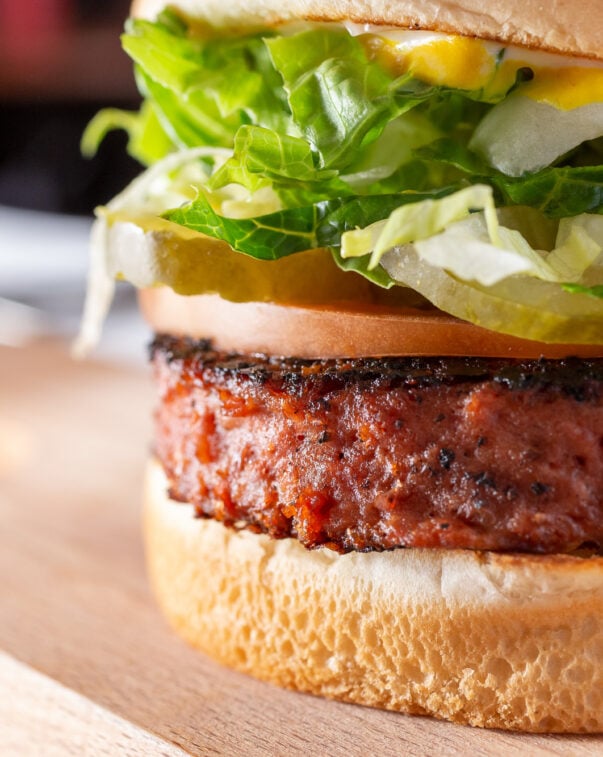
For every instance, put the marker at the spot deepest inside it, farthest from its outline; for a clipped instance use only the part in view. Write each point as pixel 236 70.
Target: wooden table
pixel 87 664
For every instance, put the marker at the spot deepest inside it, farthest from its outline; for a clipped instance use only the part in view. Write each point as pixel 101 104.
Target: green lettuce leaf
pixel 276 235
pixel 235 73
pixel 336 97
pixel 418 220
pixel 378 276
pixel 189 123
pixel 594 291
pixel 262 157
pixel 173 60
pixel 556 191
pixel 312 138
pixel 147 141
pixel 268 237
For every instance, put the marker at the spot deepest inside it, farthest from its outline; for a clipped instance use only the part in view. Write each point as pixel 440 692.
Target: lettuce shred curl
pixel 287 140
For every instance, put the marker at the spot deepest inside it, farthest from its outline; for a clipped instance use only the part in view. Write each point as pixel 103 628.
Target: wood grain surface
pixel 64 722
pixel 88 665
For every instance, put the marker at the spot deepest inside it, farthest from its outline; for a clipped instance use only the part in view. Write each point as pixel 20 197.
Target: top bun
pixel 573 27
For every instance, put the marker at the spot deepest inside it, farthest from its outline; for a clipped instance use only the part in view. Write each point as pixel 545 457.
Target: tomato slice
pixel 345 330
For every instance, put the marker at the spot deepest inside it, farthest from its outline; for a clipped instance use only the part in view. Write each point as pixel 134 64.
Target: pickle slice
pixel 149 251
pixel 520 306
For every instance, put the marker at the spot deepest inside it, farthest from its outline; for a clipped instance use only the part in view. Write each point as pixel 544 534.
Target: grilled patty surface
pixel 374 454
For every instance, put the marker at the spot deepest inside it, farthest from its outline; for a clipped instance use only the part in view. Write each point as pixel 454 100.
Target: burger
pixel 369 241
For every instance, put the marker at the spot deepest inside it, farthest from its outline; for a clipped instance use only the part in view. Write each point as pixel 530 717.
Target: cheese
pixel 566 88
pixel 472 64
pixel 458 62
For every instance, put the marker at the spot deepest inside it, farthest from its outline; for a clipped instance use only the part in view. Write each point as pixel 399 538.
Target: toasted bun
pixel 502 641
pixel 574 27
pixel 332 332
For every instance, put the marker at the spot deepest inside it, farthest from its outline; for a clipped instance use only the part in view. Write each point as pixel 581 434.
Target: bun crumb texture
pixel 572 27
pixel 499 641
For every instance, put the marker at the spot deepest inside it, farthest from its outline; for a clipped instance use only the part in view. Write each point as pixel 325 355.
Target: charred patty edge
pixel 579 378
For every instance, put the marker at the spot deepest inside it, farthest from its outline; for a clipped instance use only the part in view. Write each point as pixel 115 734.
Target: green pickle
pixel 519 306
pixel 149 251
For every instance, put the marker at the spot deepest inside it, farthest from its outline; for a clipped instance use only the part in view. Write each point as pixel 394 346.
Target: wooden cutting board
pixel 87 664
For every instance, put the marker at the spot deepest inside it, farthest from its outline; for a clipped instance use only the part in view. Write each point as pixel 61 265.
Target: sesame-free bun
pixel 501 641
pixel 574 27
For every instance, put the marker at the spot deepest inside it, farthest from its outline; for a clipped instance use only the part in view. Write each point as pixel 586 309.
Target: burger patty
pixel 373 454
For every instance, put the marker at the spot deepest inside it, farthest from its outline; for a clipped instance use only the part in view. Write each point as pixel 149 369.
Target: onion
pixel 521 135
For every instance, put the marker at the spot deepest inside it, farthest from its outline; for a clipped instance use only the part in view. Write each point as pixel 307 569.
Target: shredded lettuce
pixel 276 235
pixel 596 291
pixel 420 220
pixel 277 142
pixel 449 233
pixel 465 249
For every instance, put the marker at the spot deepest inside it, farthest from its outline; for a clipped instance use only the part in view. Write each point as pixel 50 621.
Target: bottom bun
pixel 500 641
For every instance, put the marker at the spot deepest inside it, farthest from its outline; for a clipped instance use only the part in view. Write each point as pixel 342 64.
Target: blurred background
pixel 60 62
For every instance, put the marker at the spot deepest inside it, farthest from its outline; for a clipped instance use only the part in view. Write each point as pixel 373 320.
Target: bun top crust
pixel 565 26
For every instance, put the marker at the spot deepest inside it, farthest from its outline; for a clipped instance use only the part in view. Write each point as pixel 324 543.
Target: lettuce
pixel 285 232
pixel 314 138
pixel 322 100
pixel 233 78
pixel 461 233
pixel 557 191
pixel 148 142
pixel 419 220
pixel 262 157
pixel 596 291
pixel 337 98
pixel 455 246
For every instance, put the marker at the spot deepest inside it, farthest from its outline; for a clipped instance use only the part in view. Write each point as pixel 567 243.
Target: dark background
pixel 60 62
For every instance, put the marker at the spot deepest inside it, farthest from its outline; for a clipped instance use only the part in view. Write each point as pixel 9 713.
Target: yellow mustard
pixel 466 63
